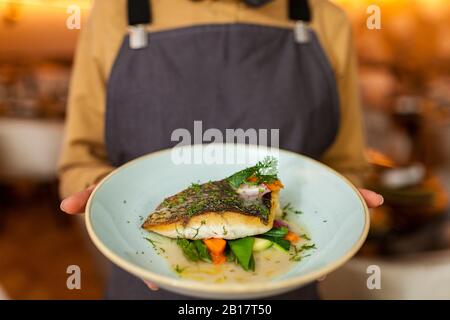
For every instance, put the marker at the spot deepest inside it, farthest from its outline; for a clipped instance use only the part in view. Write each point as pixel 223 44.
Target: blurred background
pixel 405 85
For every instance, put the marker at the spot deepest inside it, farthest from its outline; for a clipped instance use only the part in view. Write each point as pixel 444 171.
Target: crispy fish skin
pixel 218 218
pixel 226 225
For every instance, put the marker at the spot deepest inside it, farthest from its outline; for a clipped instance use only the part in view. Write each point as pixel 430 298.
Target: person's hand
pixel 372 199
pixel 76 204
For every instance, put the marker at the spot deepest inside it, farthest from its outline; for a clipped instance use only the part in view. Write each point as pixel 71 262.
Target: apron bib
pixel 228 76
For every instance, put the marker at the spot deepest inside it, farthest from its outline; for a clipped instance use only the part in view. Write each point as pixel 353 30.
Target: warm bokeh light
pixel 83 4
pixel 39 24
pixel 398 3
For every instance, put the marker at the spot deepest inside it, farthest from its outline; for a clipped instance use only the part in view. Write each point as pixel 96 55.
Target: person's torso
pixel 229 76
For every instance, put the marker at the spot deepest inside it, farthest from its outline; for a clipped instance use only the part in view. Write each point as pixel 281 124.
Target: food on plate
pixel 244 204
pixel 231 221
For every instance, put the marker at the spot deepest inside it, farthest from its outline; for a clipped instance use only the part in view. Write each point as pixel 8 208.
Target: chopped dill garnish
pixel 289 209
pixel 196 207
pixel 178 232
pixel 305 236
pixel 181 199
pixel 195 187
pixel 178 269
pixel 196 231
pixel 297 255
pixel 157 249
pixel 308 247
pixel 152 242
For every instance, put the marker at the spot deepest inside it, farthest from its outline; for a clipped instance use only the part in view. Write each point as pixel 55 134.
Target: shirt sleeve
pixel 346 155
pixel 83 159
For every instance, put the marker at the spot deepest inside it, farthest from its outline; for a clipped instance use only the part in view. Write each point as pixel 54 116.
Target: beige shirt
pixel 83 159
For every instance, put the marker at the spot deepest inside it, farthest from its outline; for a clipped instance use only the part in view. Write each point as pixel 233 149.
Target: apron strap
pixel 299 11
pixel 139 16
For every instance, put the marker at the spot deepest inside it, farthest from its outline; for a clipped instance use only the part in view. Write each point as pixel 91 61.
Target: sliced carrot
pixel 252 179
pixel 275 186
pixel 218 259
pixel 291 237
pixel 215 245
pixel 216 248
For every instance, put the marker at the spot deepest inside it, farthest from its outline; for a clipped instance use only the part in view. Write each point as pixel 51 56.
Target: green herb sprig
pixel 264 171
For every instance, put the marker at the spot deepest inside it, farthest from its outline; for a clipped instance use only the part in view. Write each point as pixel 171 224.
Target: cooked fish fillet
pixel 213 210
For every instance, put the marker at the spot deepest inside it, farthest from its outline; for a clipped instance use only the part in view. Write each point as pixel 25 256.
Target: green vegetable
pixel 264 171
pixel 230 255
pixel 243 250
pixel 261 244
pixel 279 243
pixel 252 264
pixel 280 248
pixel 277 232
pixel 189 249
pixel 202 250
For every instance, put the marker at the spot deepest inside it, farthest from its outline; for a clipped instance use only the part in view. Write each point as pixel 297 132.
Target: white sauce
pixel 269 263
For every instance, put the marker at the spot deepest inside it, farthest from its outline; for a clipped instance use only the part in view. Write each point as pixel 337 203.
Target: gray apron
pixel 229 76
